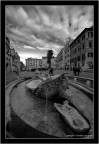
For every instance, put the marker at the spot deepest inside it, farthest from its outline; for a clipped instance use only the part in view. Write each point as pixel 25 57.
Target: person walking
pixel 17 72
pixel 51 71
pixel 74 70
pixel 78 70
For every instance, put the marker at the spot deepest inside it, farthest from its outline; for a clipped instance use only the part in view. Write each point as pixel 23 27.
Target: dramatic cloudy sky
pixel 35 29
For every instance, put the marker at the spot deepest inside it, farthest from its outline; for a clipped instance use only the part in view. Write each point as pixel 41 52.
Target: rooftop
pixel 86 29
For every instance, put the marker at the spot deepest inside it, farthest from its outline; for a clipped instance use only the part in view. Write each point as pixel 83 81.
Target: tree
pixel 49 56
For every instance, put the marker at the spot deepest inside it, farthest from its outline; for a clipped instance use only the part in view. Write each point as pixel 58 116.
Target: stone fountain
pixel 53 87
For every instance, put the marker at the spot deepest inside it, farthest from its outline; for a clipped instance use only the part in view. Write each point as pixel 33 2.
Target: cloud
pixel 28 47
pixel 17 14
pixel 46 27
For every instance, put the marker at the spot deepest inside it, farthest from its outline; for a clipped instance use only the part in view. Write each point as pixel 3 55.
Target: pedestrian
pixel 51 71
pixel 17 72
pixel 75 70
pixel 78 70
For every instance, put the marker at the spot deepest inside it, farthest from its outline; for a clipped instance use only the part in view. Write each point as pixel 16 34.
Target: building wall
pixel 67 57
pixel 32 63
pixel 39 63
pixel 15 58
pixel 46 65
pixel 80 49
pixel 22 66
pixel 60 59
pixel 7 56
pixel 44 62
pixel 63 57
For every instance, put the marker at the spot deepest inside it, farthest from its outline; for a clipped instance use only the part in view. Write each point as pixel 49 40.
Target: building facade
pixel 30 63
pixel 60 59
pixel 53 62
pixel 66 57
pixel 81 49
pixel 22 66
pixel 44 62
pixel 39 63
pixel 33 63
pixel 12 58
pixel 7 55
pixel 15 60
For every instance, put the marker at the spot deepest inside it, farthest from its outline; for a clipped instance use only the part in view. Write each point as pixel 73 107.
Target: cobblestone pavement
pixel 43 116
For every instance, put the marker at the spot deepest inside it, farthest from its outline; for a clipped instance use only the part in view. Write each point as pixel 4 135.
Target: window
pixel 83 37
pixel 75 50
pixel 78 49
pixel 83 46
pixel 78 58
pixel 83 56
pixel 90 44
pixel 78 41
pixel 75 59
pixel 90 54
pixel 75 43
pixel 90 34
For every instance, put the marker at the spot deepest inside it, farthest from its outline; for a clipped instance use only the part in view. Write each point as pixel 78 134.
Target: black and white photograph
pixel 49 71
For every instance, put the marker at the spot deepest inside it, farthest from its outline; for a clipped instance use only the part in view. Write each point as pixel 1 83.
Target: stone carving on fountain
pixel 53 87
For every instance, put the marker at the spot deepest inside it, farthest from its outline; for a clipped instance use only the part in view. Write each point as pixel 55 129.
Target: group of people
pixel 76 70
